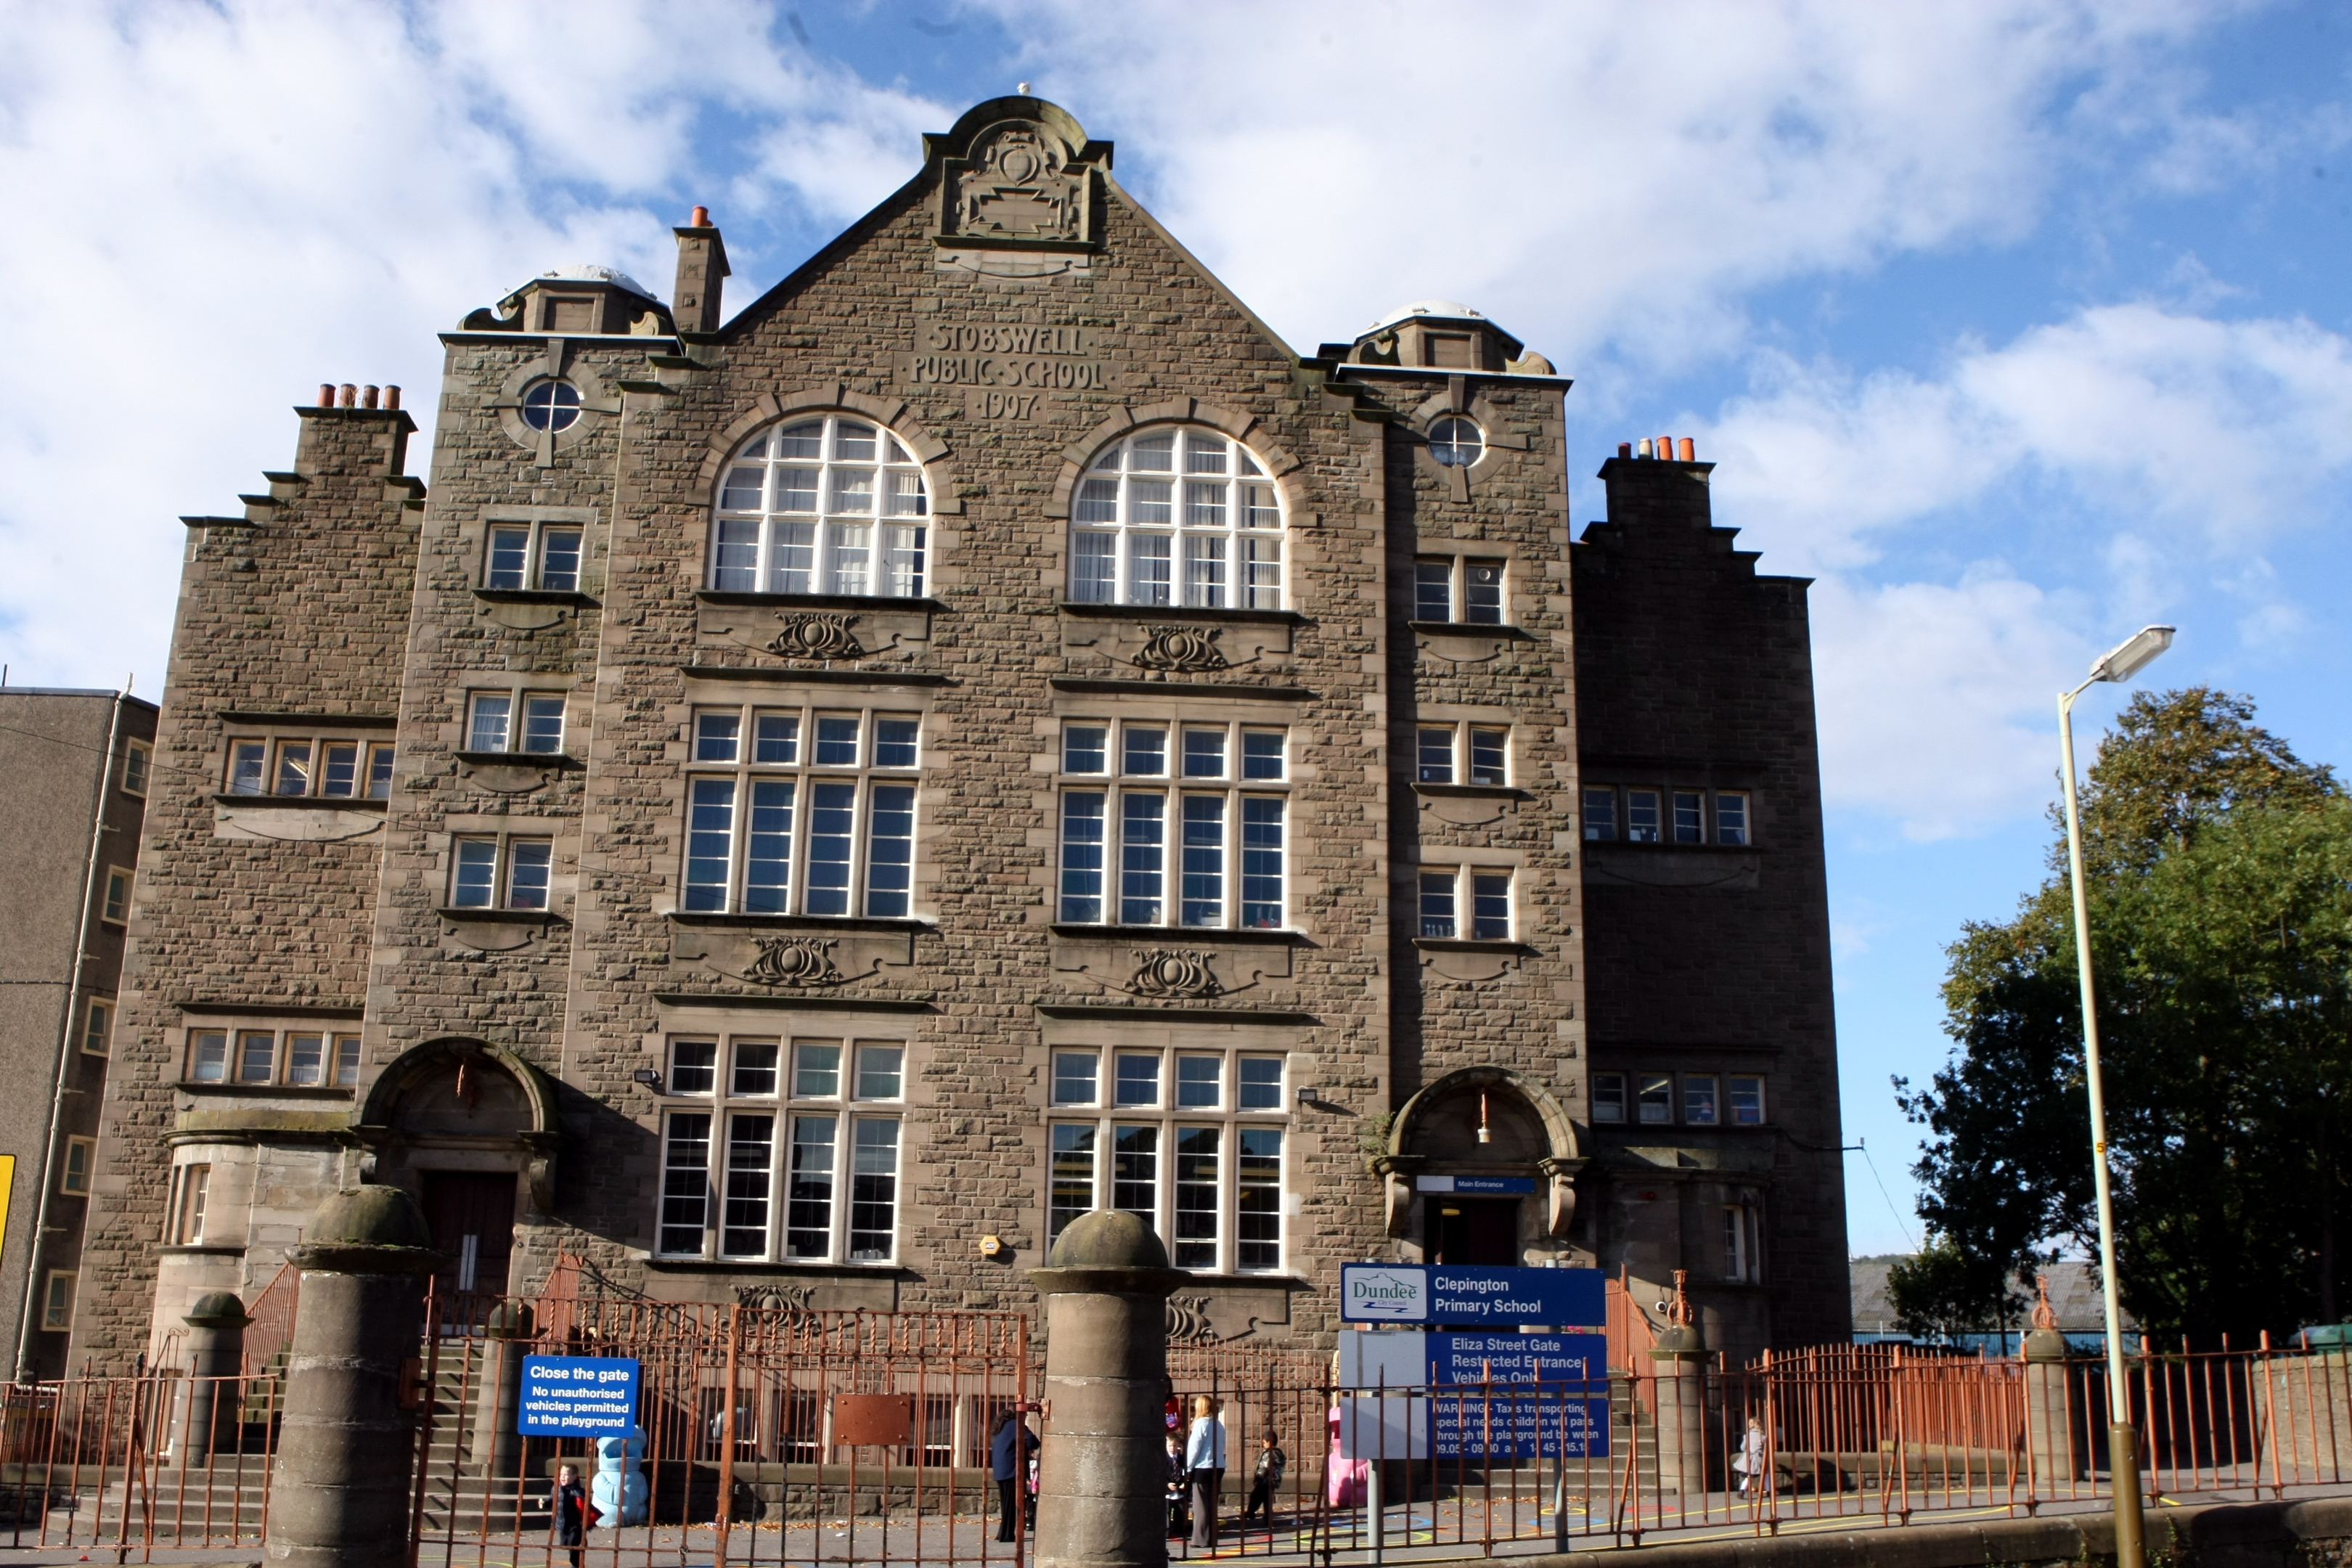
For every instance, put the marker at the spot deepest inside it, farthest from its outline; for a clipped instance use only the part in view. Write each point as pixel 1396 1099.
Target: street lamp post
pixel 2123 1448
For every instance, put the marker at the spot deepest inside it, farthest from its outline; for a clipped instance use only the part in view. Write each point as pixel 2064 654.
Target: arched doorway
pixel 1480 1169
pixel 469 1129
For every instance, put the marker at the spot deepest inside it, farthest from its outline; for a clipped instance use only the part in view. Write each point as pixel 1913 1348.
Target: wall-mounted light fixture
pixel 650 1079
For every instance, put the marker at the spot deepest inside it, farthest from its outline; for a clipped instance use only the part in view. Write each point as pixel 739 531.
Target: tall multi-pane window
pixel 800 811
pixel 1190 830
pixel 316 766
pixel 835 504
pixel 1177 515
pixel 1190 1142
pixel 808 1167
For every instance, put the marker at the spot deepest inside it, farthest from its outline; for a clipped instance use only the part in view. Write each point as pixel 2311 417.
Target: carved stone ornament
pixel 1173 971
pixel 816 634
pixel 1181 650
pixel 2045 1316
pixel 794 961
pixel 776 1298
pixel 1188 1321
pixel 1019 188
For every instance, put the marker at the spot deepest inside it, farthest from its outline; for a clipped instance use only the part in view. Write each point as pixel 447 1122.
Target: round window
pixel 551 406
pixel 1456 443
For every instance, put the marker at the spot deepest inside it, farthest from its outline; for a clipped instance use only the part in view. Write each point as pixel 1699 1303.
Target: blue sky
pixel 2015 325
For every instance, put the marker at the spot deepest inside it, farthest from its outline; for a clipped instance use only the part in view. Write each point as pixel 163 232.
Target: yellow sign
pixel 7 1189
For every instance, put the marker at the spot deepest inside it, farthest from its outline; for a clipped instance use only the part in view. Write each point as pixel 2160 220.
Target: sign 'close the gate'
pixel 577 1396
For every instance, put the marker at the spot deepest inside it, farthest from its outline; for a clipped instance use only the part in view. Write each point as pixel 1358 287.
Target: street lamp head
pixel 2124 662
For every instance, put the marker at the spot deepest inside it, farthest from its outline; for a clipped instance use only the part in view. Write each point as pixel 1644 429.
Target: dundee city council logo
pixel 1401 1295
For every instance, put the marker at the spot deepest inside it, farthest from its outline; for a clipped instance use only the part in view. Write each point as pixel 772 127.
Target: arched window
pixel 830 505
pixel 1177 515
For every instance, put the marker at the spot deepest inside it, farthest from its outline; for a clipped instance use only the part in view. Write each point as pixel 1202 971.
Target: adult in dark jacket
pixel 570 1501
pixel 1009 1446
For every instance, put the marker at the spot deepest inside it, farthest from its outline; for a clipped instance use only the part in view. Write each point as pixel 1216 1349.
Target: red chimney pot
pixel 392 397
pixel 326 394
pixel 1624 448
pixel 1689 451
pixel 702 218
pixel 351 396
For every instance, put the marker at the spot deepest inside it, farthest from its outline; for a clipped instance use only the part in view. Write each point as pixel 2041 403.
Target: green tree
pixel 2220 868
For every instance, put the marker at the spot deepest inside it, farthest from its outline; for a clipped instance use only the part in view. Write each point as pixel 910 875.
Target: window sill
pixel 816 601
pixel 563 762
pixel 1470 629
pixel 1470 944
pixel 1228 617
pixel 471 914
pixel 307 802
pixel 1259 935
pixel 1473 792
pixel 538 597
pixel 743 920
pixel 199 1249
pixel 288 1090
pixel 1646 845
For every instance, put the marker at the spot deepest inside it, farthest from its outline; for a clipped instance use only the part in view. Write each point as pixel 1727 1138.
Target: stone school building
pixel 797 806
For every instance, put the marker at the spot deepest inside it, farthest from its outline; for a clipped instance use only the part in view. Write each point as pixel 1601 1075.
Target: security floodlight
pixel 2122 663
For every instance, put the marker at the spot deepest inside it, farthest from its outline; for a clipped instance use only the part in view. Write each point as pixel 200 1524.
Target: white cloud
pixel 1600 177
pixel 2173 445
pixel 213 209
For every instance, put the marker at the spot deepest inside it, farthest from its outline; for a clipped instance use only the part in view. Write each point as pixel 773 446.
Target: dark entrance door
pixel 1479 1233
pixel 472 1216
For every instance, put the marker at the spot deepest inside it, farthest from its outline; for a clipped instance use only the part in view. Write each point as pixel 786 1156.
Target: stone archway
pixel 473 1100
pixel 1527 1130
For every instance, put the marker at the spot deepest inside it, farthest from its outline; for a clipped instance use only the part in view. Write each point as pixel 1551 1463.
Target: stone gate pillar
pixel 340 1498
pixel 216 1326
pixel 2049 1430
pixel 1103 1474
pixel 1679 1364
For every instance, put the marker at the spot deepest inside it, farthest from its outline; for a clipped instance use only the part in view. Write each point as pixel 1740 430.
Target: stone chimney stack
pixel 701 273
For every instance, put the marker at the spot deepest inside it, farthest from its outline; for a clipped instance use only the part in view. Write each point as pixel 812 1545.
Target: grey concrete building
pixel 806 803
pixel 75 771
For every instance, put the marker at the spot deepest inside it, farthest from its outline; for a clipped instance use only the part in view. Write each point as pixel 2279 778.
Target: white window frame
pixel 98 1024
pixel 1731 1083
pixel 339 1055
pixel 1457 573
pixel 54 1320
pixel 510 853
pixel 1618 1114
pixel 1618 800
pixel 1460 752
pixel 114 906
pixel 533 573
pixel 1463 884
pixel 274 762
pixel 847 1108
pixel 190 1209
pixel 1220 544
pixel 86 1168
pixel 1121 879
pixel 717 862
pixel 1448 445
pixel 756 516
pixel 517 722
pixel 138 766
pixel 1103 1117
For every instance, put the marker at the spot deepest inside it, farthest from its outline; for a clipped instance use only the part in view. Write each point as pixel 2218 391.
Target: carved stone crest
pixel 796 960
pixel 776 1298
pixel 1188 1321
pixel 1181 650
pixel 1176 972
pixel 1019 188
pixel 816 634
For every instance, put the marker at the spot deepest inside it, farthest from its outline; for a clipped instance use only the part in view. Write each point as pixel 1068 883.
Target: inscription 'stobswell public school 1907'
pixel 730 829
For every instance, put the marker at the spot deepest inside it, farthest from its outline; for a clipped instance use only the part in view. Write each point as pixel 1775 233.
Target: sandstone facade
pixel 985 733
